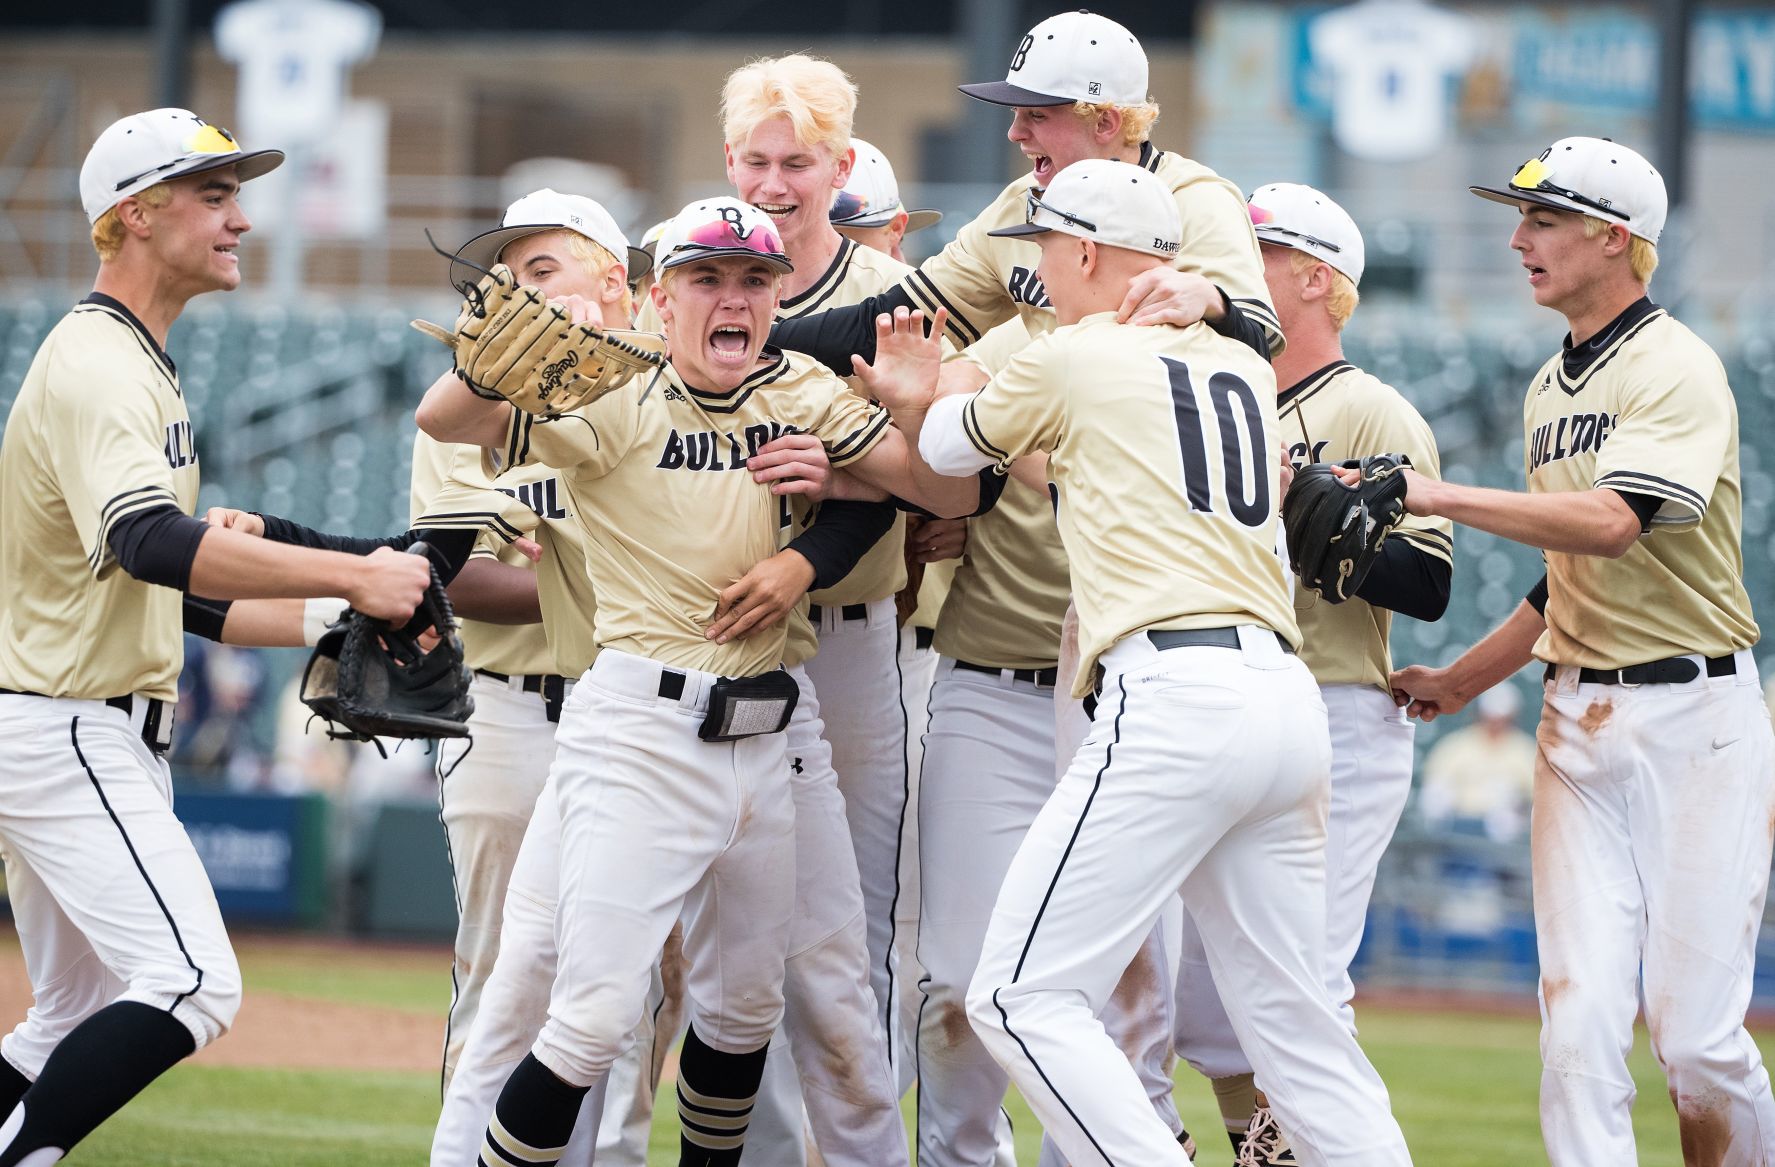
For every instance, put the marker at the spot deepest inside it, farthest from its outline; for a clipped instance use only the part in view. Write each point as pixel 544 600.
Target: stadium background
pixel 302 386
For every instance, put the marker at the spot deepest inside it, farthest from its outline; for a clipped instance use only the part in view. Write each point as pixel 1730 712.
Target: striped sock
pixel 715 1096
pixel 532 1120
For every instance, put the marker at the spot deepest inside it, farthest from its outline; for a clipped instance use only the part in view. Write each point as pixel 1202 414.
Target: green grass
pixel 416 980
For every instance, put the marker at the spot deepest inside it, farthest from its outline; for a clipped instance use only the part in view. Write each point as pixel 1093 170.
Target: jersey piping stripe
pixel 121 505
pixel 920 285
pixel 1150 157
pixel 1289 399
pixel 1576 385
pixel 456 891
pixel 971 426
pixel 823 289
pixel 517 446
pixel 891 1006
pixel 74 738
pixel 1643 483
pixel 731 400
pixel 147 346
pixel 858 443
pixel 1029 939
pixel 468 521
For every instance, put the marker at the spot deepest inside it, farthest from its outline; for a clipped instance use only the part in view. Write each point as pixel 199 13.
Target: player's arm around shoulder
pixel 452 412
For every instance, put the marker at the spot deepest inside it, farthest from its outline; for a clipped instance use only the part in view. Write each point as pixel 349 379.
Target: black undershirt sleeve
pixel 450 548
pixel 205 617
pixel 1644 505
pixel 831 337
pixel 1236 325
pixel 1408 580
pixel 157 545
pixel 842 533
pixel 1537 596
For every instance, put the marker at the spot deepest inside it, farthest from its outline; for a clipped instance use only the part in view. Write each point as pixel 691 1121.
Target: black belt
pixel 1672 670
pixel 551 687
pixel 1046 678
pixel 1163 638
pixel 153 721
pixel 671 684
pixel 848 612
pixel 922 636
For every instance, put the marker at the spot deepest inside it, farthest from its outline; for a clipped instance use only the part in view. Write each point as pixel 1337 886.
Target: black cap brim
pixel 483 252
pixel 1511 196
pixel 1004 93
pixel 1020 230
pixel 248 166
pixel 686 255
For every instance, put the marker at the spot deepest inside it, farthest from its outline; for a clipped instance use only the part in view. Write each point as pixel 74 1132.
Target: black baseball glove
pixel 370 680
pixel 1334 530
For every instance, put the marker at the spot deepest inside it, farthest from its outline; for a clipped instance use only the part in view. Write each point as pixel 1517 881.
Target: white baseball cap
pixel 1592 176
pixel 872 196
pixel 1076 56
pixel 1113 203
pixel 1288 214
pixel 548 210
pixel 136 152
pixel 717 227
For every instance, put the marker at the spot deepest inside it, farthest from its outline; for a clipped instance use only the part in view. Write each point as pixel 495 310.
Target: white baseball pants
pixel 108 895
pixel 1371 764
pixel 918 671
pixel 1206 770
pixel 1651 842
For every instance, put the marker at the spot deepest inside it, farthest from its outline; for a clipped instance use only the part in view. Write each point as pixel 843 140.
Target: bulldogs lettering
pixel 181 449
pixel 718 450
pixel 1580 433
pixel 1026 288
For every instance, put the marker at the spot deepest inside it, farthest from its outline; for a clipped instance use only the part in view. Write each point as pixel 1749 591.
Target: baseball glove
pixel 512 343
pixel 1334 530
pixel 369 679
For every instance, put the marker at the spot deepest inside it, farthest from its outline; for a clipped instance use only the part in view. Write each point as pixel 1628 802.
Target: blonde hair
pixel 1137 120
pixel 815 95
pixel 1342 301
pixel 1642 254
pixel 107 232
pixel 597 261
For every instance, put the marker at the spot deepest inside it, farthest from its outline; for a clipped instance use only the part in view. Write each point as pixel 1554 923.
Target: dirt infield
pixel 285 1030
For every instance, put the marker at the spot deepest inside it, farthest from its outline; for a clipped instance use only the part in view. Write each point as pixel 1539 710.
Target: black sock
pixel 533 1118
pixel 715 1096
pixel 102 1064
pixel 12 1087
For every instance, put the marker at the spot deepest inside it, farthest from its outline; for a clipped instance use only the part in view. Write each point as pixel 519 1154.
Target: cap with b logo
pixel 713 228
pixel 136 152
pixel 1287 214
pixel 1116 204
pixel 548 210
pixel 1591 176
pixel 1076 56
pixel 872 196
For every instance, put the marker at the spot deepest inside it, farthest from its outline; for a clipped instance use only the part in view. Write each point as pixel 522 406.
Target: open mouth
pixel 777 211
pixel 1044 168
pixel 227 249
pixel 1536 275
pixel 729 343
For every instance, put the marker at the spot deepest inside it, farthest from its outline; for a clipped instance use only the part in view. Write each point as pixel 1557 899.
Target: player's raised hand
pixel 792 464
pixel 1426 693
pixel 245 522
pixel 761 598
pixel 907 360
pixel 1164 295
pixel 390 584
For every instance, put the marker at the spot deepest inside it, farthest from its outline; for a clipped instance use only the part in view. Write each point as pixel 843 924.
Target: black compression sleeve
pixel 282 530
pixel 831 337
pixel 157 544
pixel 1408 580
pixel 1235 325
pixel 1644 505
pixel 450 549
pixel 204 617
pixel 1537 596
pixel 842 533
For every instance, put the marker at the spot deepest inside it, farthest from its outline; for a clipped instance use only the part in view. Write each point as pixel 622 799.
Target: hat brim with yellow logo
pixel 1590 176
pixel 159 145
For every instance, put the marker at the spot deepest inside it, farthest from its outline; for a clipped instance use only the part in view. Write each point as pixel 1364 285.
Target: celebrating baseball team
pixel 966 675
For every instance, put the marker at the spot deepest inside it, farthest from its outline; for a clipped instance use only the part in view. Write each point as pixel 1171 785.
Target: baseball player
pixel 671 774
pixel 1655 768
pixel 122 939
pixel 1206 768
pixel 1330 410
pixel 868 211
pixel 1077 86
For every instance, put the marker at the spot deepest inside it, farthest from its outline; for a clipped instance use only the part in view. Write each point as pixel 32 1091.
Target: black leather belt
pixel 1046 678
pixel 848 612
pixel 1672 670
pixel 1163 638
pixel 923 637
pixel 157 722
pixel 551 687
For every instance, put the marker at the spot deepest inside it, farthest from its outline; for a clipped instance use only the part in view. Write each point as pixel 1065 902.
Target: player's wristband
pixel 317 613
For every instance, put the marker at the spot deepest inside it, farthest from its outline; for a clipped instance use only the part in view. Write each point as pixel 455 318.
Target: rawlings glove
pixel 375 680
pixel 1334 530
pixel 512 343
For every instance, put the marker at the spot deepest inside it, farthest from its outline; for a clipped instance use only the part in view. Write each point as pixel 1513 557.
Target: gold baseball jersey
pixel 1336 413
pixel 933 593
pixel 983 280
pixel 658 470
pixel 1162 448
pixel 1651 414
pixel 99 431
pixel 1012 585
pixel 529 500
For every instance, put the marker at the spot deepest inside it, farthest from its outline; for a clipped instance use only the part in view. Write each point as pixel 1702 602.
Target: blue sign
pixel 264 853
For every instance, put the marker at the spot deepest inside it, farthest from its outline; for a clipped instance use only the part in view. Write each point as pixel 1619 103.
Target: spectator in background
pixel 1480 779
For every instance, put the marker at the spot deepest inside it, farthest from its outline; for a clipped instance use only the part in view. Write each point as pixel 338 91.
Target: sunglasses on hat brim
pixel 1531 179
